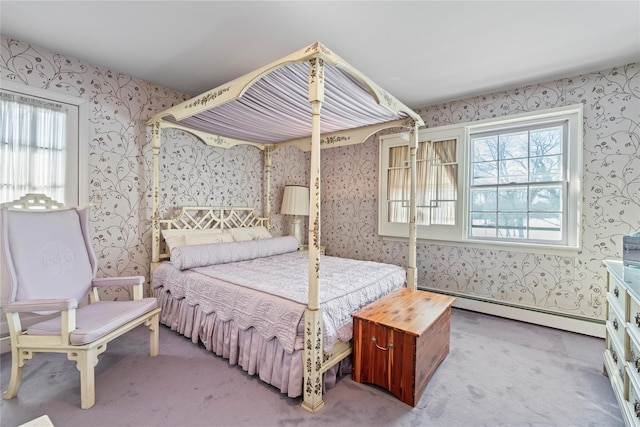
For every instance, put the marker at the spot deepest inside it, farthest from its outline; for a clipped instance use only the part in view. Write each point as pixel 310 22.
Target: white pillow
pixel 207 238
pixel 177 237
pixel 173 238
pixel 250 233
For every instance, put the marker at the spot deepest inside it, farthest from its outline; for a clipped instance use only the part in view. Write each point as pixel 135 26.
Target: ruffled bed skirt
pixel 256 355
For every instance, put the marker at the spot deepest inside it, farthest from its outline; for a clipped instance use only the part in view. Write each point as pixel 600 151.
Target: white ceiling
pixel 423 52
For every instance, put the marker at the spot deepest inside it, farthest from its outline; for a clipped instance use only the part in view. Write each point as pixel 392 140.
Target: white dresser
pixel 622 354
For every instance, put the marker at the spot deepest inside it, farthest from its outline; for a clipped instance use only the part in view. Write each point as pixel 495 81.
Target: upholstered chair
pixel 51 267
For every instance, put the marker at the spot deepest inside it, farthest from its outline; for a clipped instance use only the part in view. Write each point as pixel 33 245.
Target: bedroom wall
pixel 567 284
pixel 120 165
pixel 120 158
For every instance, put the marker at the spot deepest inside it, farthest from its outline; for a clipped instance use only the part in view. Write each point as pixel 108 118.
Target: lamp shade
pixel 295 200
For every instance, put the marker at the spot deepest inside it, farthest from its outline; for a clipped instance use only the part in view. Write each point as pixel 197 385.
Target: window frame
pixel 78 148
pixel 459 233
pixel 424 232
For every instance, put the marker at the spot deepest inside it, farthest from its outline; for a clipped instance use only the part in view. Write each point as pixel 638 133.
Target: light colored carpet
pixel 499 372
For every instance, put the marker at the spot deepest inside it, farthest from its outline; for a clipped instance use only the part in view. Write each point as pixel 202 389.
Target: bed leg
pixel 312 400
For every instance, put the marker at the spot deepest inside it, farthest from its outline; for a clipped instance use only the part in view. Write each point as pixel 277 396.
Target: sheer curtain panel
pixel 437 186
pixel 33 147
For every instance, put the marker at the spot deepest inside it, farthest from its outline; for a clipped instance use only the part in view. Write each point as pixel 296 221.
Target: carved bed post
pixel 268 155
pixel 412 274
pixel 313 348
pixel 155 215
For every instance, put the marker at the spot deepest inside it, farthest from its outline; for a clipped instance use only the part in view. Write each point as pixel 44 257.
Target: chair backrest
pixel 48 253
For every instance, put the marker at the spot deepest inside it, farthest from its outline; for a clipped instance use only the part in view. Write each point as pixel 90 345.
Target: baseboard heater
pixel 566 322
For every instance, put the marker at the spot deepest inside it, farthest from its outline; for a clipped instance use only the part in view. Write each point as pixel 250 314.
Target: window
pixel 39 145
pixel 513 180
pixel 438 177
pixel 518 183
pixel 436 167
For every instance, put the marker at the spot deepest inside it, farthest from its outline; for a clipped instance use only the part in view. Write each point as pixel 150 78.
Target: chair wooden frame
pixel 24 346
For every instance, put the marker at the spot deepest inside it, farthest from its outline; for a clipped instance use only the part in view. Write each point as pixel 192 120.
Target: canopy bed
pixel 311 99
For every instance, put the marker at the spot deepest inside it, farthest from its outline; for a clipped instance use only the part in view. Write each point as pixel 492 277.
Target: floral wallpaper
pixel 611 200
pixel 192 173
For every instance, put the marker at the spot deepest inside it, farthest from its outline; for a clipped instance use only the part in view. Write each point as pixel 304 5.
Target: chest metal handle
pixel 615 324
pixel 616 292
pixel 389 347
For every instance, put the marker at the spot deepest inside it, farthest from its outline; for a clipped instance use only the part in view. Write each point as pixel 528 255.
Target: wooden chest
pixel 399 341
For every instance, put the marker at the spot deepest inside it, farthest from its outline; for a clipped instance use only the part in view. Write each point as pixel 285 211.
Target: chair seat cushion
pixel 97 320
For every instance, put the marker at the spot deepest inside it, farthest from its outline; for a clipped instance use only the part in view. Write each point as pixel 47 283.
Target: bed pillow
pixel 207 238
pixel 177 237
pixel 184 257
pixel 173 238
pixel 250 233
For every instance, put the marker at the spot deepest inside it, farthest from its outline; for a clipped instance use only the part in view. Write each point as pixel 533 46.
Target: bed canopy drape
pixel 311 99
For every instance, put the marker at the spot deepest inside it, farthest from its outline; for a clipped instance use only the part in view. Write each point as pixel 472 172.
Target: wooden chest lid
pixel 411 311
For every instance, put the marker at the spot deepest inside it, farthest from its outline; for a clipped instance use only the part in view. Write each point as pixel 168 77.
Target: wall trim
pixel 580 325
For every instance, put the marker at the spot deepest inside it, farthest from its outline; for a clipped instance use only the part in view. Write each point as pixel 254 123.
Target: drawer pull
pixel 615 324
pixel 614 356
pixel 636 408
pixel 373 339
pixel 636 361
pixel 616 292
pixel 638 320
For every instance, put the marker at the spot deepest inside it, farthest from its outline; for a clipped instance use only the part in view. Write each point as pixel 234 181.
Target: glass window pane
pixel 546 198
pixel 445 151
pixel 545 226
pixel 398 156
pixel 548 168
pixel 513 171
pixel 484 173
pixel 398 212
pixel 444 213
pixel 512 225
pixel 545 142
pixel 512 199
pixel 483 225
pixel 424 151
pixel 395 184
pixel 423 215
pixel 514 145
pixel 484 149
pixel 484 200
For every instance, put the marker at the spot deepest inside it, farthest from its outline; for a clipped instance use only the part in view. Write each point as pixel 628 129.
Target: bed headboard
pixel 209 218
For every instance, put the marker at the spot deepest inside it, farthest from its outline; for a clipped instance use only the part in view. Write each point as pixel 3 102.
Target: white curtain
pixel 32 147
pixel 436 189
pixel 398 180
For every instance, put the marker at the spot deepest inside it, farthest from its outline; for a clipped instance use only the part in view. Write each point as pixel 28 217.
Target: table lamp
pixel 295 201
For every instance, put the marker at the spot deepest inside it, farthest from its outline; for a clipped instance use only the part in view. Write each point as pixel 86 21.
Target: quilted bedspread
pixel 282 283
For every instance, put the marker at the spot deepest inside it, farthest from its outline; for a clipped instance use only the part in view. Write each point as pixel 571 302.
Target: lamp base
pixel 296 230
